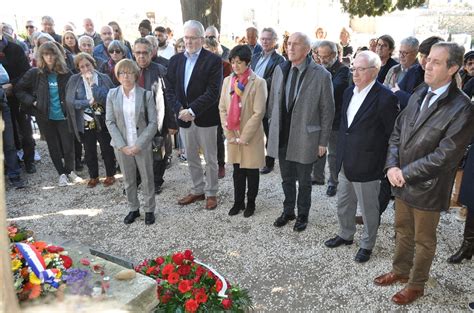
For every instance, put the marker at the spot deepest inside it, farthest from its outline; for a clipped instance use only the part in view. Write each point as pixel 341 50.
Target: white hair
pixel 196 25
pixel 372 58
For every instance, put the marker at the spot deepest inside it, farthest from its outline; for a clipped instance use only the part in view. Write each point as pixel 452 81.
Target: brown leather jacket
pixel 429 149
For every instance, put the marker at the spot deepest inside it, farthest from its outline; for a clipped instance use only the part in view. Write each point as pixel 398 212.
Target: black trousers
pixel 90 139
pixel 60 144
pixel 220 146
pixel 22 131
pixel 78 151
pixel 243 177
pixel 384 195
pixel 159 168
pixel 269 161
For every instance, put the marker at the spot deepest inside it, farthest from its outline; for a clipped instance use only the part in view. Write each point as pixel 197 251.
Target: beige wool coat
pixel 253 101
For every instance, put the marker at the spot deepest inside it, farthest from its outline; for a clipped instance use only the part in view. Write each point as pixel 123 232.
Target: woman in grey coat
pixel 86 93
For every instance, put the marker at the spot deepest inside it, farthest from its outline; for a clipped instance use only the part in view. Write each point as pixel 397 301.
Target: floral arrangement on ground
pixel 185 284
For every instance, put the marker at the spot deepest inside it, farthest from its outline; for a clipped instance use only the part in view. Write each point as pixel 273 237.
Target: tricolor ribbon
pixel 221 278
pixel 36 263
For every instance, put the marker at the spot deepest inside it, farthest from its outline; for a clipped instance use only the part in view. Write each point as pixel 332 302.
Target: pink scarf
pixel 238 84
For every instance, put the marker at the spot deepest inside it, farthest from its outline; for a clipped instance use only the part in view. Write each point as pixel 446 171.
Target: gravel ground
pixel 283 270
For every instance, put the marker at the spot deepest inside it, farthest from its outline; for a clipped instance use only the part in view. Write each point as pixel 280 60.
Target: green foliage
pixel 378 7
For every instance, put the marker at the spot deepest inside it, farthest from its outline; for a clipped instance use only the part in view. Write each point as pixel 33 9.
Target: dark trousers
pixel 60 144
pixel 290 173
pixel 13 169
pixel 23 132
pixel 469 226
pixel 269 161
pixel 90 139
pixel 78 151
pixel 243 177
pixel 159 167
pixel 168 146
pixel 385 194
pixel 220 146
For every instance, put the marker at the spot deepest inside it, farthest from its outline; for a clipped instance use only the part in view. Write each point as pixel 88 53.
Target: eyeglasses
pixel 126 74
pixel 210 37
pixel 141 52
pixel 404 53
pixel 360 69
pixel 29 26
pixel 116 51
pixel 191 38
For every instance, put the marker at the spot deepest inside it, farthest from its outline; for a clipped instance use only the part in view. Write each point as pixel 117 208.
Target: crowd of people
pixel 387 126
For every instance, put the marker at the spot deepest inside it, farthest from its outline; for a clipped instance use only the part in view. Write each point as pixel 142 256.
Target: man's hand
pixel 130 150
pixel 321 151
pixel 8 88
pixel 395 176
pixel 185 116
pixel 172 131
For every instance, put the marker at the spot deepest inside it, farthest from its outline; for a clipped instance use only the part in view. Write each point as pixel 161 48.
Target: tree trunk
pixel 208 12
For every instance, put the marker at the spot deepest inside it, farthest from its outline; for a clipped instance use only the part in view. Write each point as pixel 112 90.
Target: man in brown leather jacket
pixel 426 145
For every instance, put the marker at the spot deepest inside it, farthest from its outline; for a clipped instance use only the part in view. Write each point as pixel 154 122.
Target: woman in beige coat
pixel 242 107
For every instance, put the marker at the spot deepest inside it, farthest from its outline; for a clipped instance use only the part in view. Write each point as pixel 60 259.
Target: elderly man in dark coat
pixel 425 148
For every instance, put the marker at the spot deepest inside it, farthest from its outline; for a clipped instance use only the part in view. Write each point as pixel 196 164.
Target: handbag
pixel 157 142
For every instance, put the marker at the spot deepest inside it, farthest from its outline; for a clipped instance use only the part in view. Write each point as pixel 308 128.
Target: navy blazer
pixel 362 147
pixel 203 91
pixel 340 81
pixel 275 59
pixel 414 77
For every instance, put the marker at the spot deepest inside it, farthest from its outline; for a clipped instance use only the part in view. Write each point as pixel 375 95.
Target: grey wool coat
pixel 312 117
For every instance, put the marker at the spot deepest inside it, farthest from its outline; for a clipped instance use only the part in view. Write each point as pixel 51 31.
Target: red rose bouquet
pixel 187 284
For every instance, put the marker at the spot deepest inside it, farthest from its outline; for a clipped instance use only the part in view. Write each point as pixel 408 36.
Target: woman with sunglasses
pixel 86 93
pixel 116 51
pixel 118 35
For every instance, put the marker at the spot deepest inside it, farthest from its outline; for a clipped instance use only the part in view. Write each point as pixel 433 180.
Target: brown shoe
pixel 92 182
pixel 221 172
pixel 407 295
pixel 211 203
pixel 390 279
pixel 109 181
pixel 191 199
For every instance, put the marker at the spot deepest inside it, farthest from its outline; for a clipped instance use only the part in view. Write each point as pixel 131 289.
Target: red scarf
pixel 238 84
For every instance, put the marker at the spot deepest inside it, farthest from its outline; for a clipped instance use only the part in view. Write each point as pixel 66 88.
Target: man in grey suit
pixel 301 110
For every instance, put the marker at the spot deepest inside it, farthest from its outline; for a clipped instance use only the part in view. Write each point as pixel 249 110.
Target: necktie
pixel 426 103
pixel 291 95
pixel 141 78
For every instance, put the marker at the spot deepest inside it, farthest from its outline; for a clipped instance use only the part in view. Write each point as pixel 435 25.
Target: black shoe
pixel 317 182
pixel 363 255
pixel 17 182
pixel 157 190
pixel 131 216
pixel 336 242
pixel 250 209
pixel 30 168
pixel 168 162
pixel 283 220
pixel 266 170
pixel 149 218
pixel 236 210
pixel 465 252
pixel 79 167
pixel 331 192
pixel 301 223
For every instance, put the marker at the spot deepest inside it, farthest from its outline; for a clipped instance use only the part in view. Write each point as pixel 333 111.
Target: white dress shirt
pixel 129 116
pixel 438 92
pixel 166 52
pixel 356 101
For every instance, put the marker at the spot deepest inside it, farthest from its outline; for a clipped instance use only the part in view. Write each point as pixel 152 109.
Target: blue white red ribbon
pixel 36 263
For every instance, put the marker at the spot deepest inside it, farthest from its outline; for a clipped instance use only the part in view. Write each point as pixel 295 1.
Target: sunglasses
pixel 29 26
pixel 115 51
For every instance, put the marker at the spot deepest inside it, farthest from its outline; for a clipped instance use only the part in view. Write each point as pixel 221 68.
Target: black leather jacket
pixel 429 149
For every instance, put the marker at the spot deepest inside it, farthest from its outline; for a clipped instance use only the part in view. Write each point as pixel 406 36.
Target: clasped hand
pixel 395 176
pixel 185 116
pixel 130 150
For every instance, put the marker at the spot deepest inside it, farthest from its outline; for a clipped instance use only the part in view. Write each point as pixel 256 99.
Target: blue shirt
pixel 55 109
pixel 191 60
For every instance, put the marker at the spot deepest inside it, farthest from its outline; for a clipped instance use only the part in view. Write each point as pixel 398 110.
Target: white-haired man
pixel 368 114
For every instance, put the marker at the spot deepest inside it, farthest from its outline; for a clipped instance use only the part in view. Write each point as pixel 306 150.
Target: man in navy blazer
pixel 195 79
pixel 368 114
pixel 263 64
